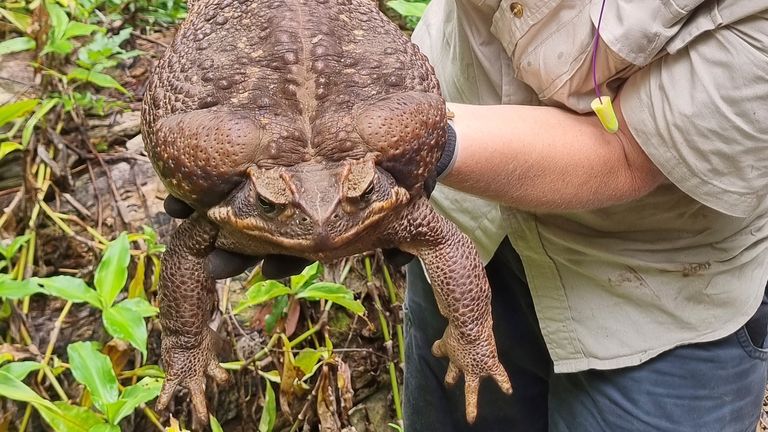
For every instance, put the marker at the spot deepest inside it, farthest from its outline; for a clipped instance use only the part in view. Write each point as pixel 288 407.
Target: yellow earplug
pixel 603 107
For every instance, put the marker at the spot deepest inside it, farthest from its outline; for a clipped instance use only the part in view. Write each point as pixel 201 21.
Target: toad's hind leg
pixel 187 302
pixel 463 296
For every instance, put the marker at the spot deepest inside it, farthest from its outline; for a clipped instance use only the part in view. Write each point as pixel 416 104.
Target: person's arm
pixel 546 158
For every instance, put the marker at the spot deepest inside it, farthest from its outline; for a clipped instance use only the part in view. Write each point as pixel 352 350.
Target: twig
pixel 149 39
pixel 54 337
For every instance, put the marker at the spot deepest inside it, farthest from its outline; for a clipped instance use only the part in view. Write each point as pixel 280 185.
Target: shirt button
pixel 517 9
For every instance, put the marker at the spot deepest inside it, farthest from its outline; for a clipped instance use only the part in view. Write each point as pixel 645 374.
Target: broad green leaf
pixel 269 413
pixel 13 289
pixel 261 292
pixel 59 19
pixel 307 359
pixel 104 427
pixel 272 375
pixel 76 29
pixel 336 293
pixel 307 276
pixel 15 110
pixel 12 388
pixel 278 310
pixel 18 44
pixel 20 20
pixel 14 246
pixel 20 370
pixel 113 270
pixel 94 370
pixel 26 134
pixel 124 323
pixel 98 78
pixel 70 418
pixel 140 306
pixel 7 147
pixel 58 46
pixel 133 396
pixel 215 426
pixel 407 8
pixel 71 289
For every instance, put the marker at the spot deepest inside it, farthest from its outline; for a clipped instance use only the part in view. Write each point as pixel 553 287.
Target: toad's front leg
pixel 463 296
pixel 187 302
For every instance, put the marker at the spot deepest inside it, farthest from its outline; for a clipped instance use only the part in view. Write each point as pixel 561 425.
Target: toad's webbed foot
pixel 474 354
pixel 188 367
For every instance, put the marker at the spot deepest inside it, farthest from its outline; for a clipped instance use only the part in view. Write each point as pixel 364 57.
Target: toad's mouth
pixel 265 236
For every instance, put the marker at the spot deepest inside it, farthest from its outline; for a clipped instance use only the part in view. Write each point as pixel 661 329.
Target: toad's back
pixel 298 67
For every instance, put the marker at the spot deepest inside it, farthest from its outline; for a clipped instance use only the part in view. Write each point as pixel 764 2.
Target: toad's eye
pixel 267 206
pixel 367 193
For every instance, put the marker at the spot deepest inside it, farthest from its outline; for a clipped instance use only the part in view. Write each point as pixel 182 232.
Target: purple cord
pixel 594 52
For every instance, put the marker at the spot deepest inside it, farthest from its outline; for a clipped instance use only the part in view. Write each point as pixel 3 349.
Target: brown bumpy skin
pixel 304 128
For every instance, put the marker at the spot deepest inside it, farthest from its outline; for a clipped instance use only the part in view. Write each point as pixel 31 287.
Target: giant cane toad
pixel 304 128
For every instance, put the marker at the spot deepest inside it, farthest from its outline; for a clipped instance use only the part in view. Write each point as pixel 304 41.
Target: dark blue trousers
pixel 708 387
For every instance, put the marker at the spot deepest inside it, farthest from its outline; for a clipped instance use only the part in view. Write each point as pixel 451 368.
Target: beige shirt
pixel 688 262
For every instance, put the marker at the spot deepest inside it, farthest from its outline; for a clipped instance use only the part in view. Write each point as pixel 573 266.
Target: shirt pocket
pixel 548 43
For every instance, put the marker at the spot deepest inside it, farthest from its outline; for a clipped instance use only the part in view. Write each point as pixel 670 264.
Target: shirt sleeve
pixel 701 115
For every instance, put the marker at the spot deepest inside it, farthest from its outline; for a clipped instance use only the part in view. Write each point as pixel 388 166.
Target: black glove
pixel 224 264
pixel 445 162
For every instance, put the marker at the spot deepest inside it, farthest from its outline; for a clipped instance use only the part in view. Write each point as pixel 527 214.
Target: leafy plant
pixel 410 10
pixel 123 320
pixel 302 286
pixel 92 369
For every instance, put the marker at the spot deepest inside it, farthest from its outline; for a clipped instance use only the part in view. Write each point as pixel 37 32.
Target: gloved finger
pixel 177 208
pixel 396 257
pixel 224 264
pixel 282 266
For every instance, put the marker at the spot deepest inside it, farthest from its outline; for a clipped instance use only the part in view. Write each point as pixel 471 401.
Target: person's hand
pixel 224 264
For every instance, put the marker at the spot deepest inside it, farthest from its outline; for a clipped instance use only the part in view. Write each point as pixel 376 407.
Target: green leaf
pixel 407 8
pixel 336 293
pixel 15 110
pixel 133 396
pixel 9 251
pixel 215 426
pixel 13 289
pixel 94 370
pixel 140 306
pixel 76 29
pixel 58 46
pixel 20 20
pixel 71 289
pixel 261 292
pixel 113 270
pixel 278 310
pixel 7 147
pixel 307 276
pixel 104 427
pixel 98 78
pixel 12 388
pixel 20 370
pixel 18 44
pixel 26 134
pixel 307 359
pixel 268 415
pixel 70 418
pixel 124 323
pixel 59 19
